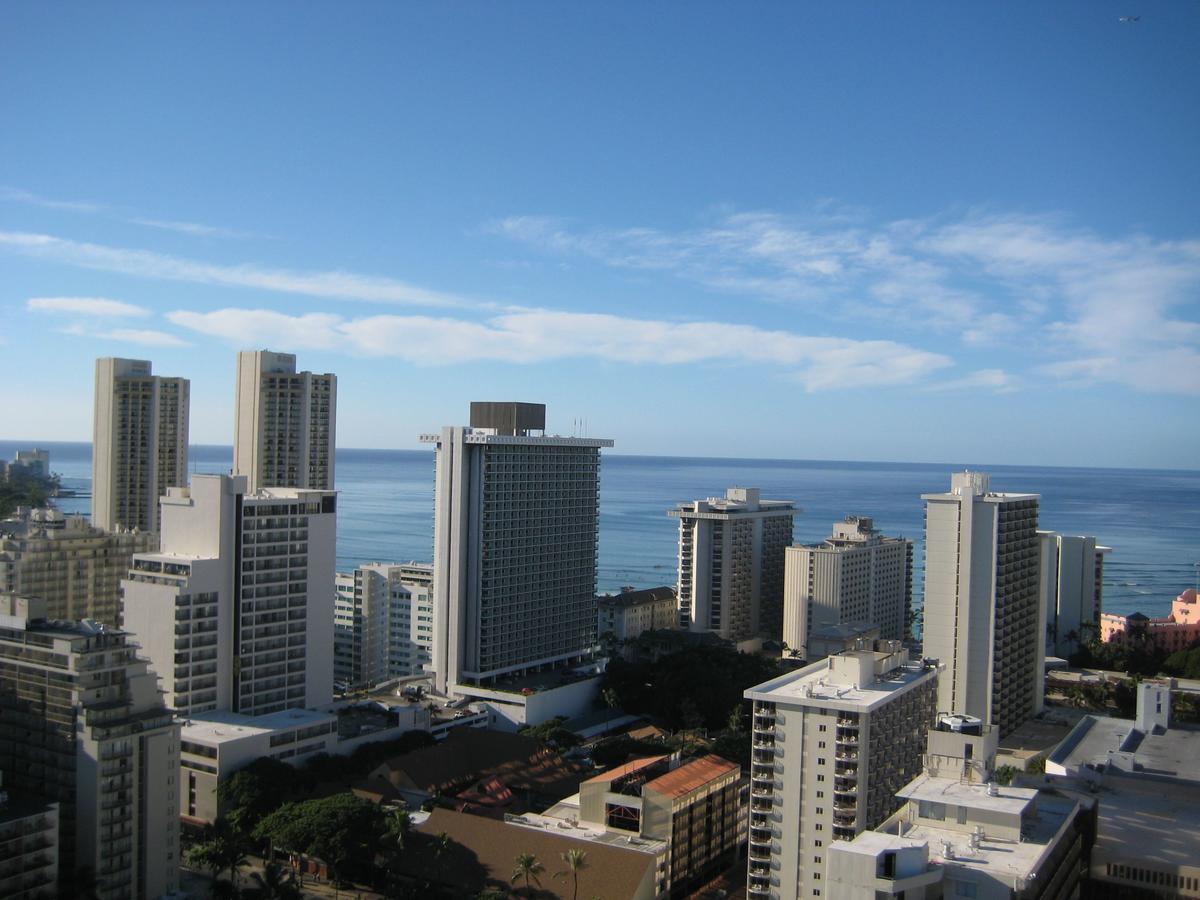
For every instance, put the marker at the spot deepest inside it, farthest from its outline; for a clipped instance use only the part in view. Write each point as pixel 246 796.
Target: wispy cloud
pixel 1064 301
pixel 532 336
pixel 194 228
pixel 88 306
pixel 17 195
pixel 146 337
pixel 996 380
pixel 148 264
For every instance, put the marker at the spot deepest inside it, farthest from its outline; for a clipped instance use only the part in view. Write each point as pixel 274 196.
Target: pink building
pixel 1178 631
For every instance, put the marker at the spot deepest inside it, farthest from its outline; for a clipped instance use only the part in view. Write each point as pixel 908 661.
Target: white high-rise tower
pixel 983 619
pixel 516 518
pixel 139 443
pixel 284 424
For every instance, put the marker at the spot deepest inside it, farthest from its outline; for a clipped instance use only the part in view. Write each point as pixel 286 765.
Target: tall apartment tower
pixel 83 724
pixel 832 744
pixel 1072 588
pixel 284 423
pixel 516 519
pixel 139 443
pixel 855 575
pixel 235 611
pixel 731 553
pixel 383 622
pixel 983 619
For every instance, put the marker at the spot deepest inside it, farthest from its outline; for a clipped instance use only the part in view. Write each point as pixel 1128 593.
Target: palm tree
pixel 527 866
pixel 399 822
pixel 576 860
pixel 276 883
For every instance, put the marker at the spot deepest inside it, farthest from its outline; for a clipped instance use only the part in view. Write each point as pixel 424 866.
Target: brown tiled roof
pixel 690 776
pixel 628 768
pixel 483 852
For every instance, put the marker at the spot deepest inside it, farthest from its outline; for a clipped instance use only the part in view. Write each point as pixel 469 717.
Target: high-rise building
pixel 383 622
pixel 139 443
pixel 75 567
pixel 516 519
pixel 235 611
pixel 855 575
pixel 731 564
pixel 1073 589
pixel 832 744
pixel 28 846
pixel 83 724
pixel 284 424
pixel 983 619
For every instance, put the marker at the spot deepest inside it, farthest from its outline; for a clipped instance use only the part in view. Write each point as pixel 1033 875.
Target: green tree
pixel 224 850
pixel 527 867
pixel 1004 775
pixel 399 824
pixel 576 861
pixel 275 882
pixel 343 830
pixel 255 791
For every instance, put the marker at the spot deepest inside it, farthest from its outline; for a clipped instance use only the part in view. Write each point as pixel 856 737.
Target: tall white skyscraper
pixel 731 564
pixel 235 611
pixel 284 423
pixel 832 744
pixel 139 442
pixel 516 519
pixel 983 619
pixel 1073 589
pixel 855 575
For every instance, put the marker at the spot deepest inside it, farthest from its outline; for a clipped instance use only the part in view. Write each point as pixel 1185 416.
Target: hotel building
pixel 983 617
pixel 855 575
pixel 832 744
pixel 235 611
pixel 383 622
pixel 82 723
pixel 516 519
pixel 139 443
pixel 629 613
pixel 731 564
pixel 284 424
pixel 1073 586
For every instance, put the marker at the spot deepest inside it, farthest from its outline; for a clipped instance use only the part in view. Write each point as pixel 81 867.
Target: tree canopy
pixel 343 830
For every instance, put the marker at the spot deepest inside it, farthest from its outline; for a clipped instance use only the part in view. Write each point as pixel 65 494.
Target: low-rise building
pixel 1176 631
pixel 624 616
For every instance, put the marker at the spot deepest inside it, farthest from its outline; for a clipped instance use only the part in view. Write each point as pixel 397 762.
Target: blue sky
pixel 941 232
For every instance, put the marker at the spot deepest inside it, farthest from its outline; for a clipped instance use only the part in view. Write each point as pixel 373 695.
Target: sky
pixel 913 232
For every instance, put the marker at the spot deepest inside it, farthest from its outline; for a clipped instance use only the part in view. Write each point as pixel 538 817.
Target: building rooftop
pixel 635 598
pixel 691 776
pixel 1008 861
pixel 221 727
pixel 872 843
pixel 1103 741
pixel 821 684
pixel 628 768
pixel 1008 800
pixel 842 631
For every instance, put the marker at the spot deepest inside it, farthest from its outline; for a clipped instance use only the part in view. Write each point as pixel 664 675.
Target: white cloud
pixel 89 306
pixel 19 196
pixel 147 264
pixel 195 229
pixel 997 380
pixel 1064 301
pixel 147 337
pixel 531 336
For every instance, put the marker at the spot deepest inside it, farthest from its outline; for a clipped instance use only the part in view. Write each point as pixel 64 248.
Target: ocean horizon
pixel 385 508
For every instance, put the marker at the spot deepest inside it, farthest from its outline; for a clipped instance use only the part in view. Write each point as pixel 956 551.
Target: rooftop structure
pixel 731 564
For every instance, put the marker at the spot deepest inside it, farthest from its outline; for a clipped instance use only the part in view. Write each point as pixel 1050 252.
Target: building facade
pixel 832 743
pixel 626 615
pixel 1177 631
pixel 855 575
pixel 731 552
pixel 983 617
pixel 284 423
pixel 28 846
pixel 516 519
pixel 1072 571
pixel 139 442
pixel 383 622
pixel 75 567
pixel 82 723
pixel 236 609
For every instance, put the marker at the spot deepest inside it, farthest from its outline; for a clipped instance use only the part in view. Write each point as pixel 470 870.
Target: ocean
pixel 1148 517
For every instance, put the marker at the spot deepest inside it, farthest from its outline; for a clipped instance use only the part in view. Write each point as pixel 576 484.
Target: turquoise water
pixel 1148 517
